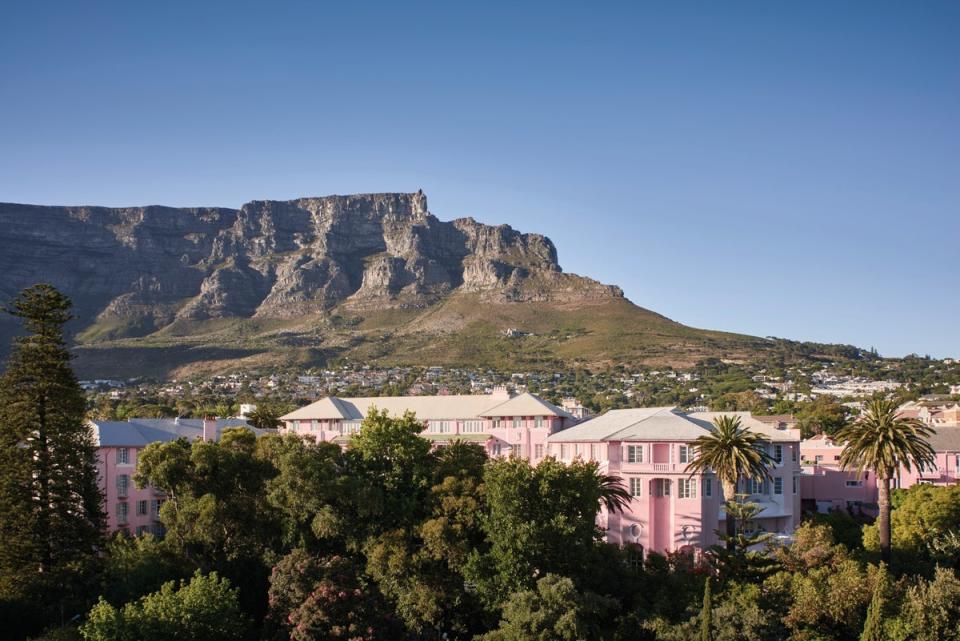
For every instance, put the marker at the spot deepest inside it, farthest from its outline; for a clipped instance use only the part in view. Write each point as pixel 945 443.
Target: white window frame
pixel 636 483
pixel 123 485
pixel 683 453
pixel 538 450
pixel 778 485
pixel 708 487
pixel 778 453
pixel 538 421
pixel 634 454
pixel 123 456
pixel 686 489
pixel 517 422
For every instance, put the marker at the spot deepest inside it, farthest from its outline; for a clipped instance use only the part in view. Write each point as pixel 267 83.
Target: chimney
pixel 500 391
pixel 209 428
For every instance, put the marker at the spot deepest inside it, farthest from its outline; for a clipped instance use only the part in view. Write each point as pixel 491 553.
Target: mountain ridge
pixel 310 274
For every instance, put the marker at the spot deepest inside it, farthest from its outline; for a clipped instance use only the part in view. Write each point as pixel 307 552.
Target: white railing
pixel 662 467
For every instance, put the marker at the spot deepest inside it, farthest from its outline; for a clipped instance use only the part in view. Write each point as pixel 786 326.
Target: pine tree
pixel 51 508
pixel 873 626
pixel 706 614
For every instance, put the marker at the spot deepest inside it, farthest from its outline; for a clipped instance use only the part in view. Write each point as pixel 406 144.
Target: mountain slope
pixel 372 277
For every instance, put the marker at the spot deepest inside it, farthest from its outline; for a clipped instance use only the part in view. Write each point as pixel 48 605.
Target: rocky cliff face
pixel 136 270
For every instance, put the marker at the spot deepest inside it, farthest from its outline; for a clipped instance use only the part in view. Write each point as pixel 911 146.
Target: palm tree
pixel 613 495
pixel 264 418
pixel 732 452
pixel 883 442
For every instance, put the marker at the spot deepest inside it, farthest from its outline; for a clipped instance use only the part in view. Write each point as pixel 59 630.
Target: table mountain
pixel 306 279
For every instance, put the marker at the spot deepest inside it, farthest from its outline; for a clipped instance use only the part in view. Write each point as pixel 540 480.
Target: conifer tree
pixel 51 508
pixel 706 614
pixel 873 626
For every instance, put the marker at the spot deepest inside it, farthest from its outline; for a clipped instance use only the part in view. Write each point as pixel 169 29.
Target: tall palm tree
pixel 883 442
pixel 732 452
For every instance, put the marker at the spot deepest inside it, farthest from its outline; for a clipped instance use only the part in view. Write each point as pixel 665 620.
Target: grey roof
pixel 946 439
pixel 661 424
pixel 447 407
pixel 767 430
pixel 139 432
pixel 642 424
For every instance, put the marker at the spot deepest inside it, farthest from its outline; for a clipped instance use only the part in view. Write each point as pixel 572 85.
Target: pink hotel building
pixel 648 448
pixel 119 443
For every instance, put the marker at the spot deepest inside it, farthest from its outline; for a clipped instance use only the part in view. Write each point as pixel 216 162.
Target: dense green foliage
pixel 205 609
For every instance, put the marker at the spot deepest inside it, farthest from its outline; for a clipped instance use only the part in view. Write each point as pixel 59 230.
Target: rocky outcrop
pixel 135 270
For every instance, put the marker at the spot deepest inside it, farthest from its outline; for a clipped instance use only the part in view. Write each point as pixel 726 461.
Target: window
pixel 684 453
pixel 123 509
pixel 794 484
pixel 517 421
pixel 538 449
pixel 634 454
pixel 440 427
pixel 817 458
pixel 538 422
pixel 315 425
pixel 793 453
pixel 778 454
pixel 854 483
pixel 496 449
pixel 155 506
pixel 473 427
pixel 708 487
pixel 296 426
pixel 596 451
pixel 141 507
pixel 123 456
pixel 564 451
pixel 686 489
pixel 661 487
pixel 497 423
pixel 635 484
pixel 349 427
pixel 778 485
pixel 123 484
pixel 143 529
pixel 755 486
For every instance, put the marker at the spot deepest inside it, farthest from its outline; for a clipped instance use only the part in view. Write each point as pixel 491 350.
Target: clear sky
pixel 785 169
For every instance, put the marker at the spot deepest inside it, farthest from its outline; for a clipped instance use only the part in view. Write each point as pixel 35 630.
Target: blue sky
pixel 755 167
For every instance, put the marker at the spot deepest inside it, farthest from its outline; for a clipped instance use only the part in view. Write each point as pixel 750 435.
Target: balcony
pixel 675 468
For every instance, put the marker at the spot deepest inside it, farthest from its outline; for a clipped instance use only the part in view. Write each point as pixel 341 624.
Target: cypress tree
pixel 51 508
pixel 706 614
pixel 873 626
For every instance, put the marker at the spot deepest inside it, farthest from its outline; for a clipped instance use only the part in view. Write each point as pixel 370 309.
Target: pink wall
pixel 110 471
pixel 825 484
